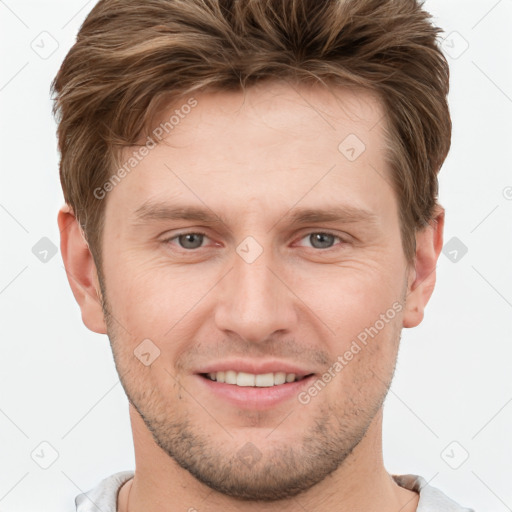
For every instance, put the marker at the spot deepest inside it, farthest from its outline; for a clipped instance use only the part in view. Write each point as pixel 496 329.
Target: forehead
pixel 284 108
pixel 273 144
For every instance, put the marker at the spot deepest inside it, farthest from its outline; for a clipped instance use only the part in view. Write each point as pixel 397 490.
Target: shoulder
pixel 104 496
pixel 431 498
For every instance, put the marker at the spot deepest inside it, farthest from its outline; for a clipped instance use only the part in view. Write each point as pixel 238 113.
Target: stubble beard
pixel 281 472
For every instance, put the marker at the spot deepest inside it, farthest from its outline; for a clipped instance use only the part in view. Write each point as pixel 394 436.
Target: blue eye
pixel 194 240
pixel 321 239
pixel 189 241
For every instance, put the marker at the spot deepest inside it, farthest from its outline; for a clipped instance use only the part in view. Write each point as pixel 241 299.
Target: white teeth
pixel 230 377
pixel 262 380
pixel 245 379
pixel 280 378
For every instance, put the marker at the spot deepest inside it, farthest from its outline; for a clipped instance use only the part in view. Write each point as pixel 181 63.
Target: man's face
pixel 255 290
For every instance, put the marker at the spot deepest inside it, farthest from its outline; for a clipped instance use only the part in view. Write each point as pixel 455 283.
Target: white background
pixel 453 380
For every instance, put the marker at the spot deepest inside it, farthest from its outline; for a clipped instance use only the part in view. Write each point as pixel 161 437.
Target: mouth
pixel 262 380
pixel 255 392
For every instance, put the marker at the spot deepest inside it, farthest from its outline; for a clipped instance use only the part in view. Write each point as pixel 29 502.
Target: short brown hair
pixel 131 58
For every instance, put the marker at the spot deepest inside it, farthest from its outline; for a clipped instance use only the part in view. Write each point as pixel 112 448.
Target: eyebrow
pixel 158 211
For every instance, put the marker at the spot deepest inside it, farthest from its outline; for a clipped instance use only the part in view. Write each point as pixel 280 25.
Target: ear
pixel 81 270
pixel 422 278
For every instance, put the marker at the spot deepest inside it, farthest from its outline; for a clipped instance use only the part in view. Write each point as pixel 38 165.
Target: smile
pixel 250 379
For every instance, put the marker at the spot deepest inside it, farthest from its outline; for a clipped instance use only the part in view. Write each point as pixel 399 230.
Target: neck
pixel 360 483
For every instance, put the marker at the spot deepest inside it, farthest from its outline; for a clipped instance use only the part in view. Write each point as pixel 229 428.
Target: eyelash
pixel 169 240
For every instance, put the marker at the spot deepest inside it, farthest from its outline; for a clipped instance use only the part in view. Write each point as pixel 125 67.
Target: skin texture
pixel 251 159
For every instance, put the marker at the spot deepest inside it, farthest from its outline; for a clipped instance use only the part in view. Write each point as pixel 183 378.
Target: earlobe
pixel 81 270
pixel 422 278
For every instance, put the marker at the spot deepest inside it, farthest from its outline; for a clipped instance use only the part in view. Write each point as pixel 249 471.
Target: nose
pixel 254 300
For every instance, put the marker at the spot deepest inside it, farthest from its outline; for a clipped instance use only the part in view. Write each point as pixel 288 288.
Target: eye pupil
pixel 187 241
pixel 321 237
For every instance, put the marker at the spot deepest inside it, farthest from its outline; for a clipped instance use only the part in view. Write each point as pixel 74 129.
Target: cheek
pixel 363 365
pixel 351 297
pixel 146 295
pixel 363 310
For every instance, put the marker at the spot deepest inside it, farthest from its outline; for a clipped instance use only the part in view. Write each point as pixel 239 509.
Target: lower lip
pixel 256 398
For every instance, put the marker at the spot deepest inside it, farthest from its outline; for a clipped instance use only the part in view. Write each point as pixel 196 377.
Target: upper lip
pixel 254 366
